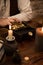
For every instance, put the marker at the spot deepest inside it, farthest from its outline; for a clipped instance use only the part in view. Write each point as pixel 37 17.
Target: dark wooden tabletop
pixel 26 49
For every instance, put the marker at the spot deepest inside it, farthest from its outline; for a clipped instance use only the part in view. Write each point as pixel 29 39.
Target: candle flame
pixel 9 26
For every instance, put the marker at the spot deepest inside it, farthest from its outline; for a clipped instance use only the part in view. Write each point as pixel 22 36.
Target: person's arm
pixel 5 22
pixel 25 11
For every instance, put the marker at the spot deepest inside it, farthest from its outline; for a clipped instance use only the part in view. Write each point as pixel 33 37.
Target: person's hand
pixel 4 22
pixel 13 19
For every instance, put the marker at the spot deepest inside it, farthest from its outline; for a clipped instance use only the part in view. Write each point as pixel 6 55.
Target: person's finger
pixel 11 20
pixel 8 23
pixel 14 20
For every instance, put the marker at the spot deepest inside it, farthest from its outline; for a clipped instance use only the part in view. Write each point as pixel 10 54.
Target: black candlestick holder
pixel 16 58
pixel 10 46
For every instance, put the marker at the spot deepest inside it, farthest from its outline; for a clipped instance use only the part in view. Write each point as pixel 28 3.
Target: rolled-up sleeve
pixel 25 10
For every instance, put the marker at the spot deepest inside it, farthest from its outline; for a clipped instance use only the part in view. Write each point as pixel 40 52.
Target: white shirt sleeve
pixel 25 10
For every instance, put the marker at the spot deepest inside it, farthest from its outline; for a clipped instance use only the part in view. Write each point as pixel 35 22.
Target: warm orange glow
pixel 42 28
pixel 26 58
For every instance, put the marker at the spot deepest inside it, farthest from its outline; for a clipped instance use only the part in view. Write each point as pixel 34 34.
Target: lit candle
pixel 10 32
pixel 26 58
pixel 39 38
pixel 39 31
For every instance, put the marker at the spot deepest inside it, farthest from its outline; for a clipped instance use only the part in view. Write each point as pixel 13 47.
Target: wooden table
pixel 27 49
